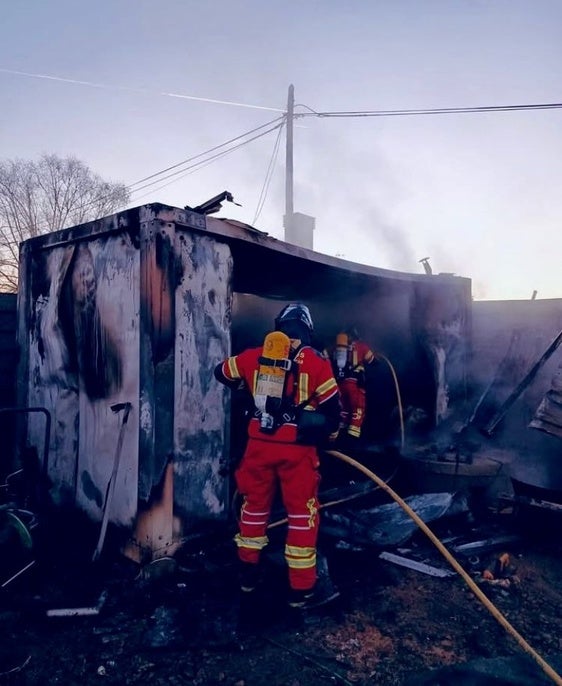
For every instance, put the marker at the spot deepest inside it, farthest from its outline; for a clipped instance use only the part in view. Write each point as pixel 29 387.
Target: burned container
pixel 122 320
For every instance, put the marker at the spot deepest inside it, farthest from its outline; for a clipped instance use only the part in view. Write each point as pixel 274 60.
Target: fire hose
pixel 547 669
pixel 398 396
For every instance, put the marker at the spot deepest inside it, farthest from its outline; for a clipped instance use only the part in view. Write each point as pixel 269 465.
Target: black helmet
pixel 295 321
pixel 295 312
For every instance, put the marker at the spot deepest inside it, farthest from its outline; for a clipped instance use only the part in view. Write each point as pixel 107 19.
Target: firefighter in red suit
pixel 350 357
pixel 277 457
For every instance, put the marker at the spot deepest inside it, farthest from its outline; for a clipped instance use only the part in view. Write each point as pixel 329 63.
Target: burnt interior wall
pixel 508 338
pixel 404 319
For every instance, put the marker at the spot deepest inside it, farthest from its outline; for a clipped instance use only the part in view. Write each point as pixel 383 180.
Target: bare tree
pixel 44 196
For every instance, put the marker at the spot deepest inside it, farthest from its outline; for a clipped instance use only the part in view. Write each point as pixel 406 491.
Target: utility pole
pixel 289 208
pixel 298 227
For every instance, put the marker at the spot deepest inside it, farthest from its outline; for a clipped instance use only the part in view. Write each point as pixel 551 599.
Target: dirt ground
pixel 181 622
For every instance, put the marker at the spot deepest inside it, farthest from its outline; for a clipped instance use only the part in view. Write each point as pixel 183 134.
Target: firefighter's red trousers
pixel 353 406
pixel 295 468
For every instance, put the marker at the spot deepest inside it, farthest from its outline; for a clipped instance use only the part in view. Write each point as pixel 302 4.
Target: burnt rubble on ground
pixel 178 620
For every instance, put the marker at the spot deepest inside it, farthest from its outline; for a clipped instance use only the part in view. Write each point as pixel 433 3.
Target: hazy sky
pixel 477 193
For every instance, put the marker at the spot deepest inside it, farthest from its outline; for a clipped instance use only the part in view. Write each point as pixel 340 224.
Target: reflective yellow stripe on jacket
pixel 232 367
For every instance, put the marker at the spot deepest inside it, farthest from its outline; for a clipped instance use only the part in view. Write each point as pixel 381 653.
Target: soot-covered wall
pixel 421 325
pixel 132 311
pixel 510 337
pixel 79 335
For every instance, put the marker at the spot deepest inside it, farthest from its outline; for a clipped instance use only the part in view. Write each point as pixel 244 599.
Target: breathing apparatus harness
pixel 271 418
pixel 310 423
pixel 342 361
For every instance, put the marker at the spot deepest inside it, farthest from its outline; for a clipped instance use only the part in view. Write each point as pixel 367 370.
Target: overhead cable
pixel 268 177
pixel 341 113
pixel 206 152
pixel 155 189
pixel 437 110
pixel 204 161
pixel 132 89
pixel 185 170
pixel 198 165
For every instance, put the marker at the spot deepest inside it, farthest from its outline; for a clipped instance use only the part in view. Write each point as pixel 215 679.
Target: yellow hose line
pixel 398 397
pixel 547 669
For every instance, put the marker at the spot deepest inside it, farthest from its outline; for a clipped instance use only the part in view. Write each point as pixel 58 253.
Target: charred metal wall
pixel 132 309
pixel 79 336
pixel 509 337
pixel 203 307
pixel 548 415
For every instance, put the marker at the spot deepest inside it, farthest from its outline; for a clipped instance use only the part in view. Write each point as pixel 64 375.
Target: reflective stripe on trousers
pixel 295 468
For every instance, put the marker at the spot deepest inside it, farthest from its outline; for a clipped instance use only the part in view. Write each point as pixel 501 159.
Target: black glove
pixel 313 427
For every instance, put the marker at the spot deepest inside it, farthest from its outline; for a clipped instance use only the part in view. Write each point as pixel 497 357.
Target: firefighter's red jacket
pixel 312 385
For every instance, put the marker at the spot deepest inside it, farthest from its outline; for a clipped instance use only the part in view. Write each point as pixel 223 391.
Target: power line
pixel 268 177
pixel 438 110
pixel 199 165
pixel 194 157
pixel 180 170
pixel 169 183
pixel 202 162
pixel 311 111
pixel 276 124
pixel 132 89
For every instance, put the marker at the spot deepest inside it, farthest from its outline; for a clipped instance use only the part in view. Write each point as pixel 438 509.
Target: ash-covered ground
pixel 182 622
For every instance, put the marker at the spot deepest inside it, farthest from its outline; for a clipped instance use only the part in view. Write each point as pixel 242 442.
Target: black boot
pixel 248 576
pixel 322 593
pixel 312 598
